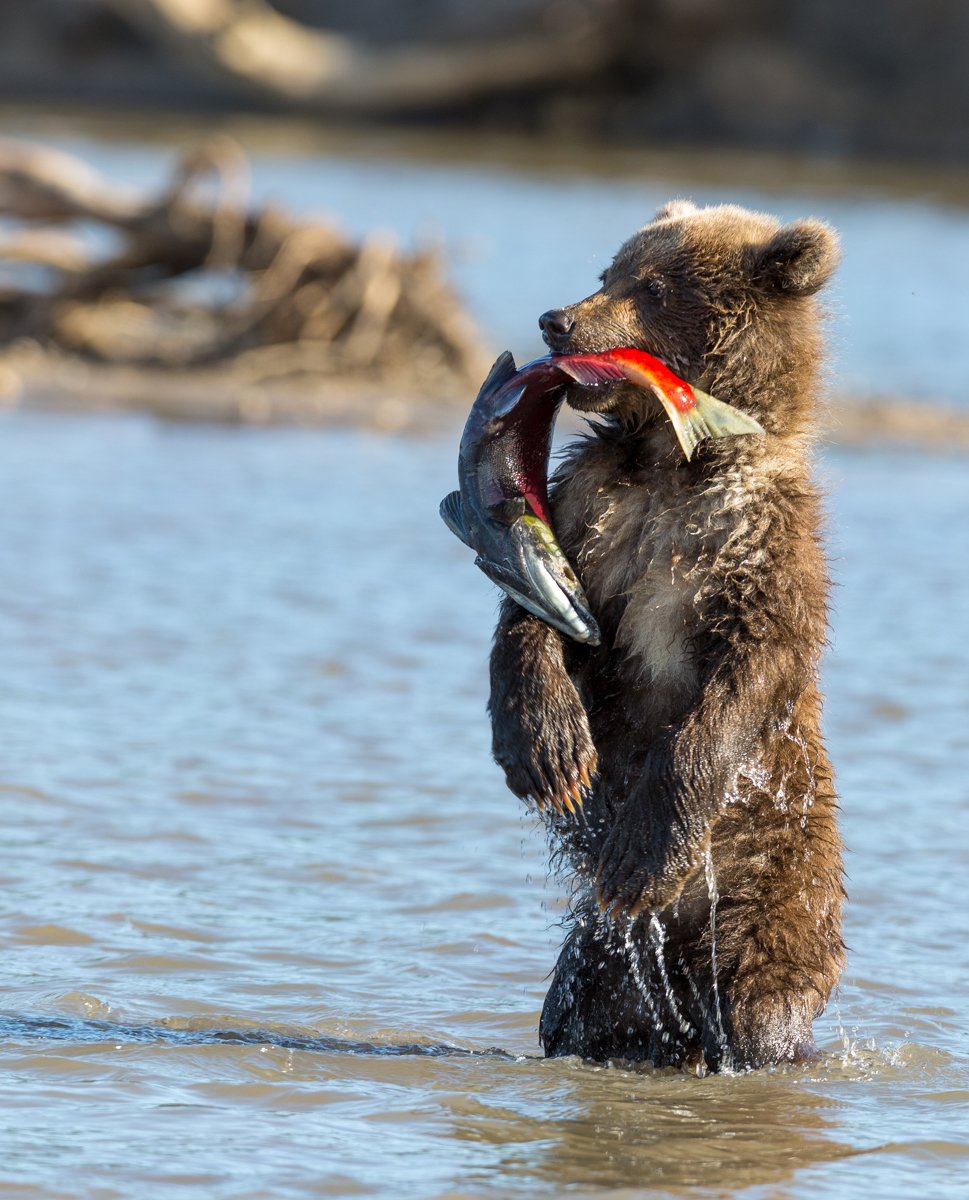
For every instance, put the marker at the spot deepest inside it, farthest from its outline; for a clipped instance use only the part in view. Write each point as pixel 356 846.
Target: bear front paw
pixel 554 779
pixel 630 880
pixel 546 749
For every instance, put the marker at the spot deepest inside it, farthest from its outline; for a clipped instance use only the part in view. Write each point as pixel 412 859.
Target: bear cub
pixel 705 925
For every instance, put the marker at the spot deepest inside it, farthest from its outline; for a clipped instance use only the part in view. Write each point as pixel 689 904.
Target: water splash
pixel 849 1045
pixel 807 802
pixel 657 933
pixel 715 991
pixel 639 978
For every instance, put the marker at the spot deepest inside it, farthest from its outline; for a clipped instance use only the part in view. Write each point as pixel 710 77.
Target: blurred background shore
pixel 304 211
pixel 876 78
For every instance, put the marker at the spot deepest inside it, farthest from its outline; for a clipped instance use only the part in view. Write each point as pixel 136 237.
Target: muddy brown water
pixel 273 927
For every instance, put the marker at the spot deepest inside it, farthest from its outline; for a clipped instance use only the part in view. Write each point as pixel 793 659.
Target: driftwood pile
pixel 192 283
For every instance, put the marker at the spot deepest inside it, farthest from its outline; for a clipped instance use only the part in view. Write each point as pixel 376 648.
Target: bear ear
pixel 676 208
pixel 798 260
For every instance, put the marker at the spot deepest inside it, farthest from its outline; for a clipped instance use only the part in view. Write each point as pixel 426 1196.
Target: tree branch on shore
pixel 193 278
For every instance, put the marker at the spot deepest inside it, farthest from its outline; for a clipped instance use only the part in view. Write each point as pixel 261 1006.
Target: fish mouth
pixel 554 592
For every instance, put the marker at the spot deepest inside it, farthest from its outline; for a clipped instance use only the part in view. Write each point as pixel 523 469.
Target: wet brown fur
pixel 700 709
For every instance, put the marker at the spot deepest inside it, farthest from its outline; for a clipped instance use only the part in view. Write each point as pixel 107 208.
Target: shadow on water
pixel 563 1122
pixel 15 1028
pixel 603 1128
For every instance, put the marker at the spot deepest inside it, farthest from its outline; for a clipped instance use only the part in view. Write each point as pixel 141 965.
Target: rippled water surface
pixel 268 908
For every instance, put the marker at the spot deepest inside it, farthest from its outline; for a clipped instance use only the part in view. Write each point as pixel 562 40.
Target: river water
pixel 273 927
pixel 246 788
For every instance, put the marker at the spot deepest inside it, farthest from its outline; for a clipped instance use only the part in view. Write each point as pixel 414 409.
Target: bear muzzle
pixel 556 326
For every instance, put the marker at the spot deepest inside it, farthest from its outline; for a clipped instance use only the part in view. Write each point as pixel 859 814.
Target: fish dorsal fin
pixel 500 375
pixel 452 514
pixel 508 511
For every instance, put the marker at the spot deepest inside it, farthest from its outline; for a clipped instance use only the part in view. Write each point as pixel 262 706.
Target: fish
pixel 501 507
pixel 694 414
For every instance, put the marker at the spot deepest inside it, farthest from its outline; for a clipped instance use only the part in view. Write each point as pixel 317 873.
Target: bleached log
pixel 250 43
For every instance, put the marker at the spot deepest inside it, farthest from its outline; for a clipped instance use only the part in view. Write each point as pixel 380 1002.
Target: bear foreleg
pixel 540 729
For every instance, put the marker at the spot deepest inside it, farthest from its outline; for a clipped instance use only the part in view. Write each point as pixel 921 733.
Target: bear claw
pixel 569 798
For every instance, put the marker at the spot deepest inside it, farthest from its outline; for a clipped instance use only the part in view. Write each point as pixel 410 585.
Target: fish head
pixel 526 561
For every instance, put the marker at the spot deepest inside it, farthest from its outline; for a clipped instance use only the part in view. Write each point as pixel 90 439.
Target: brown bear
pixel 706 917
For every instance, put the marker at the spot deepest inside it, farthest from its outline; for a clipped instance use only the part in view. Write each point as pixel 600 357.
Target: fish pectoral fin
pixel 509 510
pixel 710 418
pixel 590 369
pixel 452 514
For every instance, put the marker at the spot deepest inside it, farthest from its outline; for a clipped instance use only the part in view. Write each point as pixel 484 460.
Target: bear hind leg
pixel 770 1028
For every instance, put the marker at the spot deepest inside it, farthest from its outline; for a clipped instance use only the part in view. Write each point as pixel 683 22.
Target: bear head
pixel 723 296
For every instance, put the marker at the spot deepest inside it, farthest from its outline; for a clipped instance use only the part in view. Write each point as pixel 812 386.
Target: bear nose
pixel 556 326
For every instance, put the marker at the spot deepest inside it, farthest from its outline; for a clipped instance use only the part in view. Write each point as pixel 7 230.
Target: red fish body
pixel 636 365
pixel 693 414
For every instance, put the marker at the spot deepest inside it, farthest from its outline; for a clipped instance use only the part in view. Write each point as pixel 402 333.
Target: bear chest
pixel 641 562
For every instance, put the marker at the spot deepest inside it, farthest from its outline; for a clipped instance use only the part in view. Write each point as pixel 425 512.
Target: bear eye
pixel 655 286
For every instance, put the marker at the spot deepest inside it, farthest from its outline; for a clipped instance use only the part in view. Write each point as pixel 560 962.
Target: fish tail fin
pixel 709 418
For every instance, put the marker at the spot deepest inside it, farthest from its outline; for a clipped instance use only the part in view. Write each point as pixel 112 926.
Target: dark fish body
pixel 501 508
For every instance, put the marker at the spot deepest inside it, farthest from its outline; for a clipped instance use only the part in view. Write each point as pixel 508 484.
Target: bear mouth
pixel 602 397
pixel 595 397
